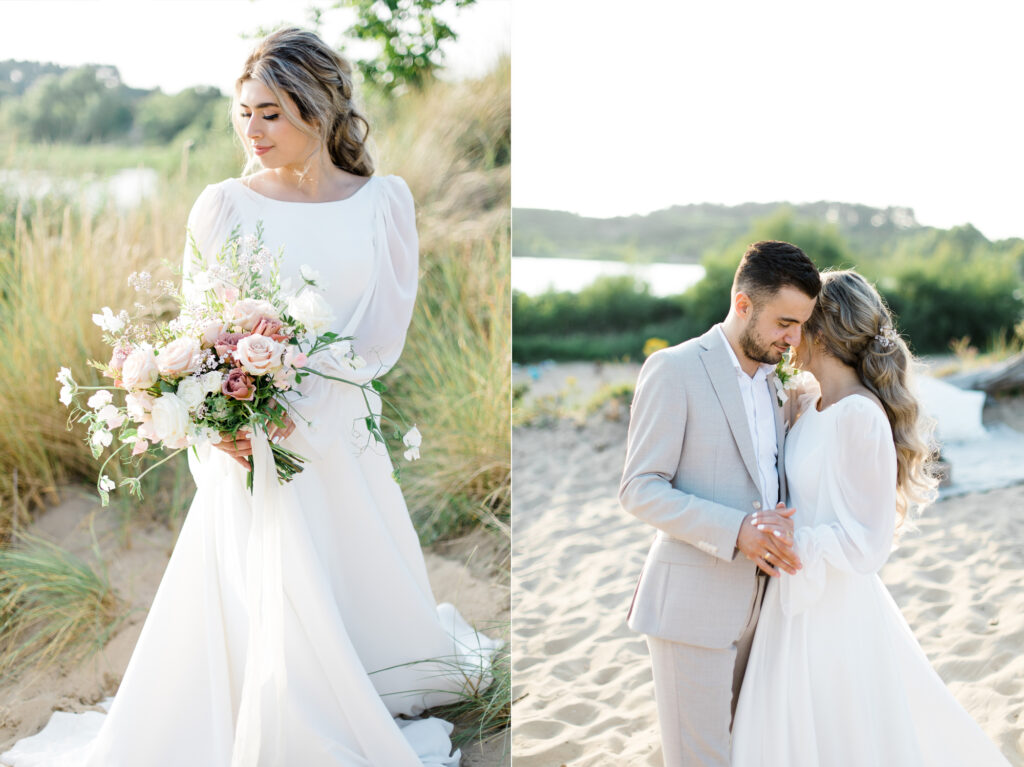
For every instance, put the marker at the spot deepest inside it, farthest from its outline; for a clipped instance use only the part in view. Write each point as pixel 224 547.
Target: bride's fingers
pixel 764 566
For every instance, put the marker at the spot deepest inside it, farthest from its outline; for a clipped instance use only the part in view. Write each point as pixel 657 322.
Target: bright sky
pixel 628 107
pixel 177 43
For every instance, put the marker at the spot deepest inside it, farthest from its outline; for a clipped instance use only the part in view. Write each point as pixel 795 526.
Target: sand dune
pixel 582 679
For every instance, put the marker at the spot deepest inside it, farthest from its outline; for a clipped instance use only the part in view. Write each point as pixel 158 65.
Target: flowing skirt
pixel 292 626
pixel 842 682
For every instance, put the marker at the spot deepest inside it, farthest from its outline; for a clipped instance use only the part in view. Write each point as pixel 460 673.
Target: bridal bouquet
pixel 242 339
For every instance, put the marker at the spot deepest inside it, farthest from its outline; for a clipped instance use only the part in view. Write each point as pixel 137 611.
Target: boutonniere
pixel 785 375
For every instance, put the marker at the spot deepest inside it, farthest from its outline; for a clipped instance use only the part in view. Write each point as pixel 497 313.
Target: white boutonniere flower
pixel 785 378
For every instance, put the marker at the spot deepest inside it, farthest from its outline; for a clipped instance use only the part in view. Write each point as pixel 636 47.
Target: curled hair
pixel 853 324
pixel 319 81
pixel 769 265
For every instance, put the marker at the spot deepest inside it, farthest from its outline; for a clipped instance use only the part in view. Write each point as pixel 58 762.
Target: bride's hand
pixel 240 446
pixel 766 539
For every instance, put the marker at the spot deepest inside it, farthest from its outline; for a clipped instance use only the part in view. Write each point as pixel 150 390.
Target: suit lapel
pixel 780 435
pixel 723 378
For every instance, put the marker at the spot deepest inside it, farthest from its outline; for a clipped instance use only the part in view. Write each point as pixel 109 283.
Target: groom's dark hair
pixel 769 265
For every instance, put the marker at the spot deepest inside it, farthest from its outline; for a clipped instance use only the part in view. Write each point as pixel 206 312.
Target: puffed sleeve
pixel 378 326
pixel 210 223
pixel 859 491
pixel 380 330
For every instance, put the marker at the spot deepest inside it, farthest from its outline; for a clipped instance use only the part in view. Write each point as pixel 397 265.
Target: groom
pixel 704 465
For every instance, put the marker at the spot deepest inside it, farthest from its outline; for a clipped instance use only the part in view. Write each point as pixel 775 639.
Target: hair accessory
pixel 887 336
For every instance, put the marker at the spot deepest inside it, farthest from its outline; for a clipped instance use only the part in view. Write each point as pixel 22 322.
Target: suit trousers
pixel 696 689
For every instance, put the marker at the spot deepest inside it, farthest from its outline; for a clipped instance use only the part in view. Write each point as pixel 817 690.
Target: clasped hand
pixel 766 539
pixel 240 448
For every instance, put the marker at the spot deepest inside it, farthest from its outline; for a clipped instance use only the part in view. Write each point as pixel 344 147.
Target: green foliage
pixel 942 284
pixel 409 34
pixel 160 117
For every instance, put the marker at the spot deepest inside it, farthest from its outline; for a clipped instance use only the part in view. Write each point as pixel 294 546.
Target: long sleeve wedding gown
pixel 294 624
pixel 835 676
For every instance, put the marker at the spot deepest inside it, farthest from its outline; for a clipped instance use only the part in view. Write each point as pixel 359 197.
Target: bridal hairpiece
pixel 886 337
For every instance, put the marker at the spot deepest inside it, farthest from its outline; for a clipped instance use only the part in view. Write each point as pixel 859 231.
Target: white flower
pixel 139 403
pixel 312 276
pixel 65 395
pixel 64 377
pixel 412 439
pixel 170 420
pixel 312 311
pixel 106 484
pixel 102 438
pixel 211 382
pixel 202 281
pixel 112 416
pixel 100 399
pixel 108 320
pixel 191 392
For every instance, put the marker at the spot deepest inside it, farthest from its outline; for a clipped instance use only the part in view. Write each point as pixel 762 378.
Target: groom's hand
pixel 766 539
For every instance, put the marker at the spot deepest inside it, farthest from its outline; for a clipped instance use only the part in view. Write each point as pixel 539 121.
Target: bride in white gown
pixel 294 625
pixel 836 677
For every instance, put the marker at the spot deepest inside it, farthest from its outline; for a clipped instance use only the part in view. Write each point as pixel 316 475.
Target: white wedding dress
pixel 293 625
pixel 835 676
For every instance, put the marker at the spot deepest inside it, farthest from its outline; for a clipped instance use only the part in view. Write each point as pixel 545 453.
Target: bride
pixel 836 677
pixel 295 625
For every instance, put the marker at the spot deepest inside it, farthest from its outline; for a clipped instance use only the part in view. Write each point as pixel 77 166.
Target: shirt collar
pixel 763 368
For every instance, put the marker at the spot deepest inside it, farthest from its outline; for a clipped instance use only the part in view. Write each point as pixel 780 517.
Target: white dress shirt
pixel 757 402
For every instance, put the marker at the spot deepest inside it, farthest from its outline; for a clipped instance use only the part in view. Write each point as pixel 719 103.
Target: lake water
pixel 126 188
pixel 536 275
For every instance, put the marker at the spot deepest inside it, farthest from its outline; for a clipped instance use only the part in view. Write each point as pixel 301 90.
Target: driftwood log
pixel 1007 375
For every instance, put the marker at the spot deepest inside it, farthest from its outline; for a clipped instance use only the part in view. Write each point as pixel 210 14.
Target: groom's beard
pixel 756 348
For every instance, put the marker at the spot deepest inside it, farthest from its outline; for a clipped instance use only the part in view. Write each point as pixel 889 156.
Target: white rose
pixel 312 311
pixel 179 358
pixel 170 421
pixel 259 355
pixel 191 392
pixel 247 312
pixel 139 403
pixel 211 382
pixel 140 370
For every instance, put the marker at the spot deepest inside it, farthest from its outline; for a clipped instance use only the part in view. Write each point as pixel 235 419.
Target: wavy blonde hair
pixel 319 81
pixel 853 324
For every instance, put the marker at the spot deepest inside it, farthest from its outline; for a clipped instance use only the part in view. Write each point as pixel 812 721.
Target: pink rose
pixel 258 355
pixel 120 355
pixel 211 333
pixel 140 370
pixel 270 328
pixel 226 344
pixel 247 312
pixel 179 358
pixel 238 385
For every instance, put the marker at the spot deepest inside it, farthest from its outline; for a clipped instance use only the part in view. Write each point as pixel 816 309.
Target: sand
pixel 581 679
pixel 466 572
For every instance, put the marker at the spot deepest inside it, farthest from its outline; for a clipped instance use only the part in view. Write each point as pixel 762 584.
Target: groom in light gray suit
pixel 704 465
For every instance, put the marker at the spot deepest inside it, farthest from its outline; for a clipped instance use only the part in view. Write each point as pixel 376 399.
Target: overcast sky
pixel 629 107
pixel 174 44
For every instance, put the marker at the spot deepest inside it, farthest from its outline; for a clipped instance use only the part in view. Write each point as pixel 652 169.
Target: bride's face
pixel 262 121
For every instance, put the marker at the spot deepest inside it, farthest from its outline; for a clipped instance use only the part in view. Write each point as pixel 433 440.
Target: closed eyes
pixel 265 117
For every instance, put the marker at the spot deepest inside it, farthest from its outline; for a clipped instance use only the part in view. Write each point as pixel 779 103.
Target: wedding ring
pixel 766 555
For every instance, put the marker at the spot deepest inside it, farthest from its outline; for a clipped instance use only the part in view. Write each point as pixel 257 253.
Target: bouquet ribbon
pixel 264 680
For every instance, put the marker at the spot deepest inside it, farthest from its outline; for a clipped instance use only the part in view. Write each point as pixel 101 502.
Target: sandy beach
pixel 466 572
pixel 581 679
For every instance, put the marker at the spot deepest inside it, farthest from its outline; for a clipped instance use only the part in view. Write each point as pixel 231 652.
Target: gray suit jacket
pixel 691 473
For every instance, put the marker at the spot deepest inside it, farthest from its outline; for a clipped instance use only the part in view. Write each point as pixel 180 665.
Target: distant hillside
pixel 683 233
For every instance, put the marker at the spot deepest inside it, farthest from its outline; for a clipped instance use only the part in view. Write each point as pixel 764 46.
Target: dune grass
pixel 53 607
